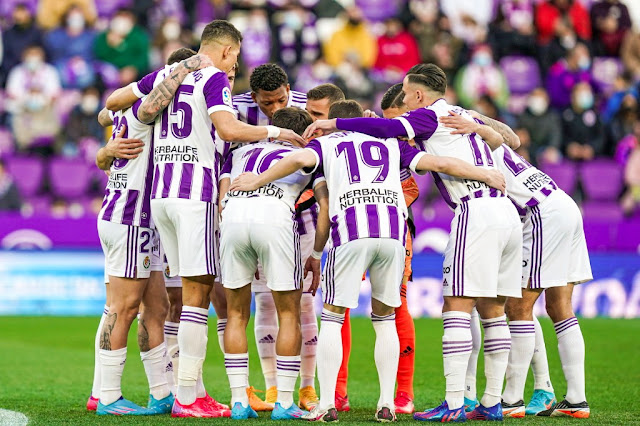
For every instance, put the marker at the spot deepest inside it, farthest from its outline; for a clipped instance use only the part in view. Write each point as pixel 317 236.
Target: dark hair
pixel 220 30
pixel 268 77
pixel 179 55
pixel 430 76
pixel 392 97
pixel 292 118
pixel 326 91
pixel 345 109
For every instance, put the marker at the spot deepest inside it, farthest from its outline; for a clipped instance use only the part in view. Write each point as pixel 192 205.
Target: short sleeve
pixel 420 123
pixel 315 147
pixel 318 177
pixel 145 85
pixel 226 167
pixel 409 156
pixel 217 94
pixel 134 109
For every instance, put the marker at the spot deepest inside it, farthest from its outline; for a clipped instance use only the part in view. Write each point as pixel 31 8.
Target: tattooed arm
pixel 163 93
pixel 509 137
pixel 104 118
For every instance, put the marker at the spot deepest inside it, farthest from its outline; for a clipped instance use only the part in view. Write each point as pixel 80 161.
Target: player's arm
pixel 463 126
pixel 461 169
pixel 509 137
pixel 223 188
pixel 231 129
pixel 121 98
pixel 118 147
pixel 164 92
pixel 304 158
pixel 105 118
pixel 322 235
pixel 379 127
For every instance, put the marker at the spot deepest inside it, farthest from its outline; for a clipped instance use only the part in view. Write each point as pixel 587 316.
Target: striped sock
pixel 571 349
pixel 539 362
pixel 288 371
pixel 456 350
pixel 386 355
pixel 222 325
pixel 173 353
pixel 523 342
pixel 497 344
pixel 329 356
pixel 237 366
pixel 192 339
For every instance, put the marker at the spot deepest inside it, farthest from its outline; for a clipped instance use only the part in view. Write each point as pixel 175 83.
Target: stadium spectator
pixel 380 10
pixel 513 32
pixel 32 87
pixel 296 38
pixel 353 41
pixel 552 16
pixel 562 42
pixel 543 128
pixel 566 73
pixel 469 19
pixel 257 46
pixel 622 123
pixel 9 196
pixel 82 122
pixel 52 12
pixel 623 86
pixel 610 21
pixel 70 50
pixel 17 38
pixel 631 198
pixel 169 37
pixel 583 133
pixel 397 49
pixel 481 76
pixel 630 54
pixel 125 45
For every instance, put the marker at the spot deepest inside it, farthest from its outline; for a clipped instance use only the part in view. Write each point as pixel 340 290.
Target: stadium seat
pixel 27 173
pixel 69 178
pixel 522 73
pixel 605 71
pixel 39 205
pixel 564 174
pixel 601 180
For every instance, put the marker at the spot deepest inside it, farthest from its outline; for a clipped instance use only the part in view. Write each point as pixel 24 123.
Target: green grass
pixel 46 368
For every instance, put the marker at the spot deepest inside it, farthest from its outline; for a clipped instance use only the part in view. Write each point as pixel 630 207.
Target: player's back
pixel 184 152
pixel 363 179
pixel 127 194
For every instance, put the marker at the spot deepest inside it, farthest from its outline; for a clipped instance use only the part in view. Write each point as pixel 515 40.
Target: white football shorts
pixel 271 240
pixel 482 258
pixel 187 232
pixel 554 246
pixel 159 263
pixel 347 263
pixel 127 249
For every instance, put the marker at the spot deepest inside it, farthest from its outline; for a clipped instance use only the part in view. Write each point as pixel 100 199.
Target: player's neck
pixel 212 53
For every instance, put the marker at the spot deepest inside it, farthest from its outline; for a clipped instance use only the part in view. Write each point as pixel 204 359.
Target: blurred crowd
pixel 564 73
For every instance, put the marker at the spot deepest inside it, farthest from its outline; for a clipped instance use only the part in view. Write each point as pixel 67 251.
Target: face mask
pixel 121 25
pixel 585 100
pixel 35 103
pixel 482 59
pixel 537 105
pixel 584 63
pixel 354 22
pixel 89 104
pixel 75 21
pixel 293 21
pixel 33 63
pixel 171 30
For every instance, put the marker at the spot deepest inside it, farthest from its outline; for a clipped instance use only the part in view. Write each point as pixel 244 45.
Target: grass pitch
pixel 46 368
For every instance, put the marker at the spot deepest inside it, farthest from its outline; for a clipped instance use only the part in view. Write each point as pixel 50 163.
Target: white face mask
pixel 121 25
pixel 33 63
pixel 89 104
pixel 537 105
pixel 75 21
pixel 171 30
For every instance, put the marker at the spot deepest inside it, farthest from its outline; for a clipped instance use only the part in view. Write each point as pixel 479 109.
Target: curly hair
pixel 268 77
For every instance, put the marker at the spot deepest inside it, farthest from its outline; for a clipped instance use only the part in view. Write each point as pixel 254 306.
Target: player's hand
pixel 120 147
pixel 291 136
pixel 324 127
pixel 496 180
pixel 197 62
pixel 313 265
pixel 245 182
pixel 461 125
pixel 370 114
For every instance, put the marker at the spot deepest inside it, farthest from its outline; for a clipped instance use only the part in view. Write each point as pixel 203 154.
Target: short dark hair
pixel 392 97
pixel 429 75
pixel 345 109
pixel 179 55
pixel 292 118
pixel 326 91
pixel 220 29
pixel 268 77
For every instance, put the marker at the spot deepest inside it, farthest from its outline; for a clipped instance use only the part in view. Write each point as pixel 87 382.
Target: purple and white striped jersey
pixel 127 195
pixel 186 164
pixel 526 185
pixel 249 112
pixel 257 158
pixel 363 179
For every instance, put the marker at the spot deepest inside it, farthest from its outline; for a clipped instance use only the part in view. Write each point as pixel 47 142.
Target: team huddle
pixel 212 198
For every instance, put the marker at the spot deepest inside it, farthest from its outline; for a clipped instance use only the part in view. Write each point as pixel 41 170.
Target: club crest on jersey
pixel 167 272
pixel 226 96
pixel 147 262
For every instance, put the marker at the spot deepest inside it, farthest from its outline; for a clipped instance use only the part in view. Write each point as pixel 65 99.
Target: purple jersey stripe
pixel 207 185
pixel 443 190
pixel 252 115
pixel 156 179
pixel 394 224
pixel 351 222
pixel 145 214
pixel 186 180
pixel 166 179
pixel 335 233
pixel 373 220
pixel 130 207
pixel 108 211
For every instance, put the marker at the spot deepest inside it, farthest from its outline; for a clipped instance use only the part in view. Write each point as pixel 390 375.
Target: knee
pixel 515 310
pixel 559 310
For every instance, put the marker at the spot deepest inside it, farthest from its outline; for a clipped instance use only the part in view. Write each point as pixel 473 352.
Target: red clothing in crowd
pixel 399 52
pixel 547 15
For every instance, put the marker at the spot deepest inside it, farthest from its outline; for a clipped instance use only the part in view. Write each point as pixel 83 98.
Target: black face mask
pixel 354 22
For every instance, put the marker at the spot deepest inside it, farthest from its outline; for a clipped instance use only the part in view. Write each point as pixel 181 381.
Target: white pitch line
pixel 12 418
